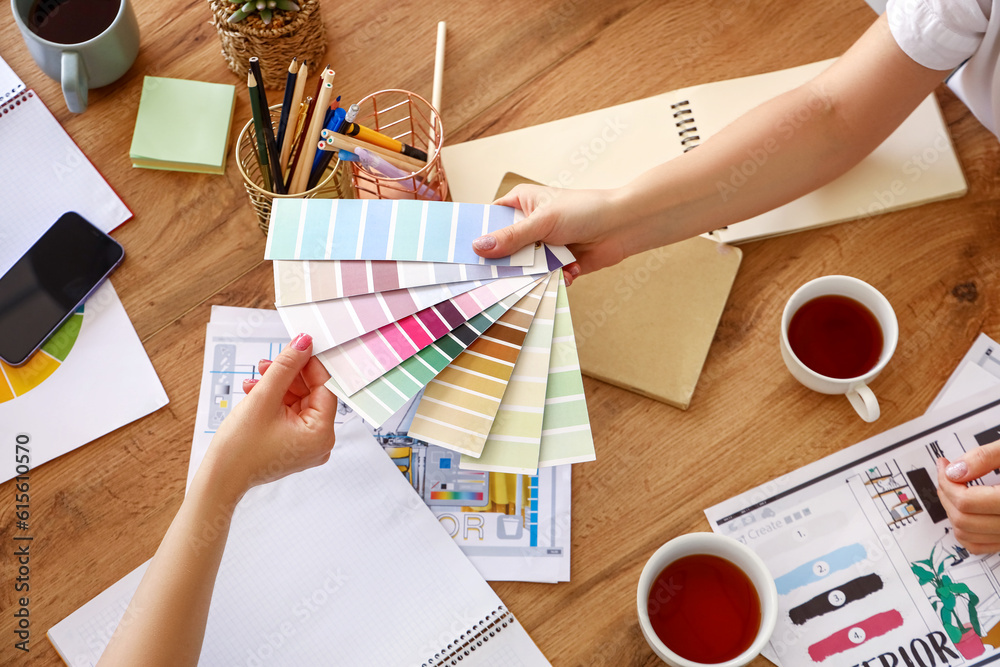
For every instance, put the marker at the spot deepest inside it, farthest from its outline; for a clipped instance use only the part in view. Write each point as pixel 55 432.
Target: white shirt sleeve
pixel 938 34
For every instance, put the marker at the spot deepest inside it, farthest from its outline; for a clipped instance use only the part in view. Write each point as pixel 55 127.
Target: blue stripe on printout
pixel 819 568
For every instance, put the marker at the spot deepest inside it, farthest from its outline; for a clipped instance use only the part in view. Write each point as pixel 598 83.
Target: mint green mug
pixel 83 44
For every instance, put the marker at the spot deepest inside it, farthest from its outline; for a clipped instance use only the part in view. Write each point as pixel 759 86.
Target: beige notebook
pixel 609 147
pixel 646 324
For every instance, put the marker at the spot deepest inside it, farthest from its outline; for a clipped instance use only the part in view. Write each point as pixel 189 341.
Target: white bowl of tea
pixel 706 599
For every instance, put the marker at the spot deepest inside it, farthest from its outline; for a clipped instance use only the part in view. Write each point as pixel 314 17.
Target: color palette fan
pixel 397 304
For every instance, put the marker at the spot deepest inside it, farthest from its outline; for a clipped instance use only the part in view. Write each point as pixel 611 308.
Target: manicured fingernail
pixel 574 270
pixel 249 384
pixel 263 364
pixel 485 243
pixel 957 471
pixel 302 342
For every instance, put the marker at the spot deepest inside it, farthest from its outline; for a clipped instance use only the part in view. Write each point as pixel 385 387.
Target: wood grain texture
pixel 100 511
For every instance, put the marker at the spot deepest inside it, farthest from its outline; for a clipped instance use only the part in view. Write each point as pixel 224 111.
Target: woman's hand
pixel 582 220
pixel 974 511
pixel 284 425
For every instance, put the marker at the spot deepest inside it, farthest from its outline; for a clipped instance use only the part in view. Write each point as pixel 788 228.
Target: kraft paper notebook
pixel 183 125
pixel 646 324
pixel 608 147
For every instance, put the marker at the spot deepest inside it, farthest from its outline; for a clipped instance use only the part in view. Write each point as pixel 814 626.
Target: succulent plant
pixel 265 8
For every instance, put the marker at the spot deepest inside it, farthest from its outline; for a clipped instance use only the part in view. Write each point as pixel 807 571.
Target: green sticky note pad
pixel 183 125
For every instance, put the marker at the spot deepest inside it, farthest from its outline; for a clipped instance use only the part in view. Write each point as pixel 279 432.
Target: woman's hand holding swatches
pixel 284 425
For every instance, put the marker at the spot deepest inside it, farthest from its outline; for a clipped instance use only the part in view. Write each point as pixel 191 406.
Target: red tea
pixel 704 608
pixel 835 336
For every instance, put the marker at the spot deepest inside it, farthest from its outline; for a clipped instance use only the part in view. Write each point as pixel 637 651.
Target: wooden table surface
pixel 101 510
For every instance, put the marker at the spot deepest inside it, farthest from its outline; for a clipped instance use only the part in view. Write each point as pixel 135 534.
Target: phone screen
pixel 50 281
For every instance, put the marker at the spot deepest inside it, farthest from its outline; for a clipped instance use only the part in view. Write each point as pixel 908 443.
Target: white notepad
pixel 609 147
pixel 339 565
pixel 44 174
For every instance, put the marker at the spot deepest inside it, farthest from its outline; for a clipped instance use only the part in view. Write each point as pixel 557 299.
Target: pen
pixel 286 103
pixel 336 141
pixel 379 139
pixel 322 160
pixel 289 138
pixel 293 160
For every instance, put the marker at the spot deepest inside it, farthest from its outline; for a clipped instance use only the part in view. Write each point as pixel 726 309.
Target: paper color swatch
pixel 477 356
pixel 305 281
pixel 460 404
pixel 377 229
pixel 381 399
pixel 337 321
pixel 515 436
pixel 566 435
pixel 361 360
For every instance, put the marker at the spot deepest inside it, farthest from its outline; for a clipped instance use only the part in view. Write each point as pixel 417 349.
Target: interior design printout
pixel 864 557
pixel 512 527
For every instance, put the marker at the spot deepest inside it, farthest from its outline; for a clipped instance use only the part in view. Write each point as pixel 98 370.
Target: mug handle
pixel 864 402
pixel 74 81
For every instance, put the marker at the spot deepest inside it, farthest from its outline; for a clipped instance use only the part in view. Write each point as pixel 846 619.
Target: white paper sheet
pixel 341 564
pixel 105 381
pixel 862 520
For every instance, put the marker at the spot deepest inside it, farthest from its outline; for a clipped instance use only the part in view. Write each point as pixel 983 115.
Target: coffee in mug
pixel 71 21
pixel 83 44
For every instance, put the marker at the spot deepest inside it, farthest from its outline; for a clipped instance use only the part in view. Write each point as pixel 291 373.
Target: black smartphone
pixel 49 283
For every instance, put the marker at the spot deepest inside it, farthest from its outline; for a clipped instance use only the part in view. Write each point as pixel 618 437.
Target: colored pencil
pixel 300 178
pixel 274 158
pixel 258 126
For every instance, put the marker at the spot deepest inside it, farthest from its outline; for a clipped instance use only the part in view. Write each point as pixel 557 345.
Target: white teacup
pixel 855 388
pixel 715 545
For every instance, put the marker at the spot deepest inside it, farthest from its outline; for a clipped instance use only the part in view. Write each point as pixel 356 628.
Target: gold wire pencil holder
pixel 409 118
pixel 334 184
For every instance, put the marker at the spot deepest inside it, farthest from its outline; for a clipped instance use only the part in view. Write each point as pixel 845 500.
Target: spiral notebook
pixel 48 176
pixel 608 147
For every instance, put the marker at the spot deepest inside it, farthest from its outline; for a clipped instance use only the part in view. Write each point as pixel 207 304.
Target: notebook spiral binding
pixel 467 643
pixel 687 131
pixel 684 121
pixel 7 105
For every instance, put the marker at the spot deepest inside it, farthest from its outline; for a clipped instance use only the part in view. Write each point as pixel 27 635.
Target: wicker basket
pixel 303 36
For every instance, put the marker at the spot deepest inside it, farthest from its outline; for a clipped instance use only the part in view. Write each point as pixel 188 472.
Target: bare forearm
pixel 752 166
pixel 781 150
pixel 165 621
